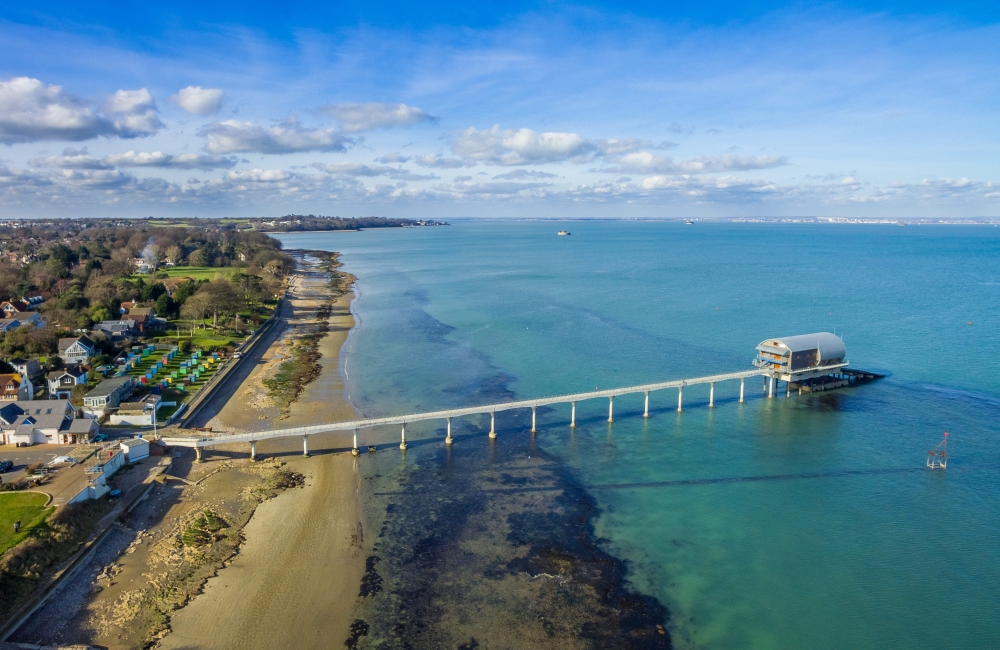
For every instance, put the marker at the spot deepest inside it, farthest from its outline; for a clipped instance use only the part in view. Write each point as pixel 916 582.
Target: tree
pixel 197 307
pixel 166 306
pixel 223 298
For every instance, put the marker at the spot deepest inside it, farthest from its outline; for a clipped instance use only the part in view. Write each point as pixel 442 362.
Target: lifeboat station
pixel 807 363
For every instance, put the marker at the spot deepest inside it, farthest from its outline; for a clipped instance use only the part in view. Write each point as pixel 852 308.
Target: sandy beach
pixel 295 579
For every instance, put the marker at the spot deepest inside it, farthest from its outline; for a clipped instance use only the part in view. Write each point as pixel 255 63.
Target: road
pixel 24 456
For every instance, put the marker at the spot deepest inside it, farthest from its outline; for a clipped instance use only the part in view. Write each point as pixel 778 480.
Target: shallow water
pixel 801 522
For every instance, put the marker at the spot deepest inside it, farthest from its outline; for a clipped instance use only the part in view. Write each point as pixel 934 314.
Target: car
pixel 6 466
pixel 59 460
pixel 100 437
pixel 114 494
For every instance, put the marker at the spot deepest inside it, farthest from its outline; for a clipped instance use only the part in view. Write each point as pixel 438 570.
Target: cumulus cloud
pixel 31 111
pixel 516 174
pixel 393 158
pixel 467 187
pixel 73 159
pixel 643 162
pixel 359 169
pixel 366 117
pixel 519 147
pixel 229 136
pixel 436 160
pixel 198 100
pixel 616 147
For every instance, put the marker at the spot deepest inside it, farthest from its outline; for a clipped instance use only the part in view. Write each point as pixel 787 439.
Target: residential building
pixel 13 388
pixel 11 307
pixel 76 350
pixel 29 422
pixel 118 329
pixel 135 449
pixel 32 318
pixel 139 413
pixel 29 368
pixel 8 324
pixel 107 395
pixel 62 382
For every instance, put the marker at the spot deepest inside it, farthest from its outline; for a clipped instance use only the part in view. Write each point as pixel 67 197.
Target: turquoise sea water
pixel 806 522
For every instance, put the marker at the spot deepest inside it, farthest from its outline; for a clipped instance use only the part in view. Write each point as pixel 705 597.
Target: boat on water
pixel 688 223
pixel 563 233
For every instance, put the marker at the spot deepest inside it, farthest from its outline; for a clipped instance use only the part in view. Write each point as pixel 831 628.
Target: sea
pixel 805 521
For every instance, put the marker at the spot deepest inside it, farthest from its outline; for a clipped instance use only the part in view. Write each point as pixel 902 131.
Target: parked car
pixel 6 466
pixel 100 437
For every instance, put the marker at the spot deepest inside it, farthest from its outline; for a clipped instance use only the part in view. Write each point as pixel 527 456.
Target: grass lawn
pixel 196 272
pixel 28 507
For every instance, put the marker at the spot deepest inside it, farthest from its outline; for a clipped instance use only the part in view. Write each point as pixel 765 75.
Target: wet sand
pixel 295 580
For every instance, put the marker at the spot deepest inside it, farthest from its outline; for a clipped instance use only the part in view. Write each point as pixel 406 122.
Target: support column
pixel 533 428
pixel 611 409
pixel 493 424
pixel 402 439
pixel 305 446
pixel 354 450
pixel 197 455
pixel 645 413
pixel 680 399
pixel 765 384
pixel 742 381
pixel 572 417
pixel 788 388
pixel 253 450
pixel 770 388
pixel 711 395
pixel 449 440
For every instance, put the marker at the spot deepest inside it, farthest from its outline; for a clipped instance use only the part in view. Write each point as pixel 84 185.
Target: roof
pixel 109 386
pixel 140 311
pixel 134 442
pixel 37 414
pixel 9 379
pixel 73 371
pixel 829 345
pixel 65 344
pixel 117 325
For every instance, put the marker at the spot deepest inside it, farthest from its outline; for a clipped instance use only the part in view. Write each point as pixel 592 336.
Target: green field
pixel 26 507
pixel 196 272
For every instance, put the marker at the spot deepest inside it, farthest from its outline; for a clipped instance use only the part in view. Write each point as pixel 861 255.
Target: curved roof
pixel 829 345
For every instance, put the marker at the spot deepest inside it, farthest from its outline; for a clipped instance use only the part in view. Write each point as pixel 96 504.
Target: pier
pixel 810 362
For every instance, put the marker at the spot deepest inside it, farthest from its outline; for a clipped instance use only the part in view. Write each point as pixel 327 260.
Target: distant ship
pixel 563 233
pixel 688 223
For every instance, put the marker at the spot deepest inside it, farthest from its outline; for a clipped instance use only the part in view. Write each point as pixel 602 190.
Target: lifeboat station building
pixel 807 362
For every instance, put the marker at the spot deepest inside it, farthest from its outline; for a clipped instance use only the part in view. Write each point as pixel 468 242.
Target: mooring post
pixel 742 381
pixel 680 398
pixel 197 455
pixel 402 439
pixel 493 424
pixel 305 446
pixel 448 440
pixel 572 417
pixel 770 388
pixel 645 413
pixel 611 409
pixel 354 450
pixel 711 395
pixel 253 450
pixel 533 429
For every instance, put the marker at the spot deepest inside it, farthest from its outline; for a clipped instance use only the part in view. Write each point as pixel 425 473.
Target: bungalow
pixel 107 394
pixel 28 422
pixel 76 350
pixel 9 324
pixel 139 413
pixel 61 382
pixel 13 388
pixel 29 368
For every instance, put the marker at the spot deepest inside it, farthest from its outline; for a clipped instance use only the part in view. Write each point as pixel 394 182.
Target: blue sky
pixel 505 109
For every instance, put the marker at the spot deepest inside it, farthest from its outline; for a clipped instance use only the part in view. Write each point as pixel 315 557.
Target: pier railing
pixel 492 409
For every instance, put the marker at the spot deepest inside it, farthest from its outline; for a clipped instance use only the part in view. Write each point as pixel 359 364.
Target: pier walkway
pixel 492 409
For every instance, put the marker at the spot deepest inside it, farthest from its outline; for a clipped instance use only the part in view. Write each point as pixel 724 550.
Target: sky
pixel 502 109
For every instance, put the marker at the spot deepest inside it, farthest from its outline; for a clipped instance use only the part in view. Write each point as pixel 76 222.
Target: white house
pixel 138 413
pixel 29 422
pixel 61 382
pixel 107 395
pixel 76 350
pixel 29 368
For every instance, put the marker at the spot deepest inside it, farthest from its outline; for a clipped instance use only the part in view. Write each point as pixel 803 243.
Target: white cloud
pixel 436 160
pixel 466 187
pixel 519 147
pixel 365 117
pixel 358 169
pixel 198 100
pixel 616 147
pixel 73 159
pixel 643 162
pixel 515 174
pixel 133 113
pixel 230 136
pixel 393 158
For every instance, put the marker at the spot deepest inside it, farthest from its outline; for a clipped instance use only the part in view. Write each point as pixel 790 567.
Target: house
pixel 126 306
pixel 135 449
pixel 13 388
pixel 107 395
pixel 76 350
pixel 25 317
pixel 142 266
pixel 145 319
pixel 29 368
pixel 116 330
pixel 139 413
pixel 33 299
pixel 8 324
pixel 11 307
pixel 61 382
pixel 29 422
